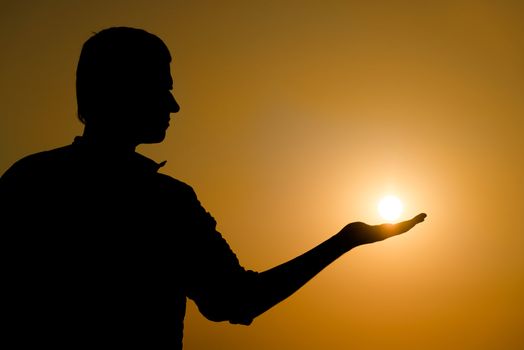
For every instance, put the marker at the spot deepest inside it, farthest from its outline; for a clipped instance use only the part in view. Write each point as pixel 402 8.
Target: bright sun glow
pixel 390 208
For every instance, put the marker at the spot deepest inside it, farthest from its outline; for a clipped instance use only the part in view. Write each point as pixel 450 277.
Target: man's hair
pixel 112 63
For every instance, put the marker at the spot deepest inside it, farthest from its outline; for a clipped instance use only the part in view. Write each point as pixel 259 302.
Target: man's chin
pixel 154 138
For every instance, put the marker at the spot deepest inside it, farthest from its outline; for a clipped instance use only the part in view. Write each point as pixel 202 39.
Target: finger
pixel 420 217
pixel 404 226
pixel 409 224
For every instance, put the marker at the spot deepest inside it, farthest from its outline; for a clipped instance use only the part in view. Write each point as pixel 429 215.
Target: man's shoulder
pixel 39 160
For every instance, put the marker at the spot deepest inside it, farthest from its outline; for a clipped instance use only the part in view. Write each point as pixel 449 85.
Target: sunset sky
pixel 296 118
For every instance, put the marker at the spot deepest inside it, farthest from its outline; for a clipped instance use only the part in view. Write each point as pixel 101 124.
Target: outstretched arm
pixel 280 282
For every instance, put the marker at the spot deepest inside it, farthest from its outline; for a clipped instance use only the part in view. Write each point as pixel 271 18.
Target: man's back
pixel 89 258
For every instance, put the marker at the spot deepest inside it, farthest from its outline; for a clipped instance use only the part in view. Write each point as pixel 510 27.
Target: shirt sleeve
pixel 214 278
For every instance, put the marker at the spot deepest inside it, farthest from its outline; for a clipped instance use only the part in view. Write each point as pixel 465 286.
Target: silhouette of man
pixel 102 249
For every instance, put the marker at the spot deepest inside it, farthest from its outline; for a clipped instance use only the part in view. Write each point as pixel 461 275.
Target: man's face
pixel 150 103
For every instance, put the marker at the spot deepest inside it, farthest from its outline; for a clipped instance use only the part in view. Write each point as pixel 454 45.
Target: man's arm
pixel 224 291
pixel 278 283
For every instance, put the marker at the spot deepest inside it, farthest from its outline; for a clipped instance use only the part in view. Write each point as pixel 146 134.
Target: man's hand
pixel 358 233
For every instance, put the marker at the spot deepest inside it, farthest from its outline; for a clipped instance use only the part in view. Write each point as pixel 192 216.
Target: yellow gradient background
pixel 296 117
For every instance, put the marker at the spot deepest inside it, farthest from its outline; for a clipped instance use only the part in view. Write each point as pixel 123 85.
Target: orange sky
pixel 296 116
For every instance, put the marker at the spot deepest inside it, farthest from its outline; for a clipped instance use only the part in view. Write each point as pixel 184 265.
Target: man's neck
pixel 110 141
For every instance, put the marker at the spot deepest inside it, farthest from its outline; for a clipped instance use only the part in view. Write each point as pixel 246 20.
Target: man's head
pixel 123 84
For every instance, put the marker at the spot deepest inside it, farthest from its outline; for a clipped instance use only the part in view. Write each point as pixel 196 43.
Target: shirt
pixel 103 250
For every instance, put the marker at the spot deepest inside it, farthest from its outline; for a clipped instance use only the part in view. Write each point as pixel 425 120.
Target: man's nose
pixel 174 107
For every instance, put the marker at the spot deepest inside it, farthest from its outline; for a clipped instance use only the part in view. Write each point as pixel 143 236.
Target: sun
pixel 390 207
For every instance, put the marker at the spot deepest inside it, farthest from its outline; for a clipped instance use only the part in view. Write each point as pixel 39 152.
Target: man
pixel 103 249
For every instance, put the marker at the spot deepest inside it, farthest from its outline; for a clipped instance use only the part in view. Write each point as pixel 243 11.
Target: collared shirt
pixel 102 250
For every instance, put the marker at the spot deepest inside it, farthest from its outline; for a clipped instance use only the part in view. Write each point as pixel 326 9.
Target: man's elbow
pixel 236 314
